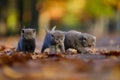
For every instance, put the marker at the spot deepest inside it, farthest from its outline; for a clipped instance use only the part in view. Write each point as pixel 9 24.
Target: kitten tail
pixel 53 29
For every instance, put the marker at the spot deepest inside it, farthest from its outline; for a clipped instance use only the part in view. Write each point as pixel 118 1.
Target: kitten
pixel 27 40
pixel 54 40
pixel 79 41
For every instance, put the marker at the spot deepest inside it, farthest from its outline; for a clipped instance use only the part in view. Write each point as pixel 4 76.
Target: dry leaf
pixel 36 74
pixel 71 51
pixel 36 56
pixel 11 73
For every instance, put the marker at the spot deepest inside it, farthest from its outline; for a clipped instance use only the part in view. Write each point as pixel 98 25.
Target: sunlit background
pixel 93 16
pixel 98 17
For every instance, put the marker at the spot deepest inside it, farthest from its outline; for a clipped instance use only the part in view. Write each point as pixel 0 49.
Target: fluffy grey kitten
pixel 54 40
pixel 27 40
pixel 79 41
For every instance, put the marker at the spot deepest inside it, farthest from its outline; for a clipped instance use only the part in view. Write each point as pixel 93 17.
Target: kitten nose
pixel 59 41
pixel 89 45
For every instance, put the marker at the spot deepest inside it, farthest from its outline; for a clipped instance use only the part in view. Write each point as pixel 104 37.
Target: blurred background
pixel 98 17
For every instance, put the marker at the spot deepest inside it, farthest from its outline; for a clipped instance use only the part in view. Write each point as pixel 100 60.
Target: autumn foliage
pixel 68 66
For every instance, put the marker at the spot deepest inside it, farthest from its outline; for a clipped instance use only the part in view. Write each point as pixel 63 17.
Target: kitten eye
pixel 22 31
pixel 52 35
pixel 34 30
pixel 84 38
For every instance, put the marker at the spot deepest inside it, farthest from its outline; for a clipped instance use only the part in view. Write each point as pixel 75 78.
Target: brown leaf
pixel 11 73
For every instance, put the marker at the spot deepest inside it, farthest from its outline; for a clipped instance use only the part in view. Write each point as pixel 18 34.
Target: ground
pixel 102 64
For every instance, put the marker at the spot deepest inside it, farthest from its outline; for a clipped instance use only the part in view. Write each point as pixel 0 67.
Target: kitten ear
pixel 22 31
pixel 53 29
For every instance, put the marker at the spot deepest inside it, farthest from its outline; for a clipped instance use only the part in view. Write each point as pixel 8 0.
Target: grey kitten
pixel 27 40
pixel 54 40
pixel 79 41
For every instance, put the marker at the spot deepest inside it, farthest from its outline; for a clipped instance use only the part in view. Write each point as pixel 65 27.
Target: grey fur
pixel 27 40
pixel 78 40
pixel 54 39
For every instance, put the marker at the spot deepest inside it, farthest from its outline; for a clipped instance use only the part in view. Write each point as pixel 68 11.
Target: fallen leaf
pixel 11 73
